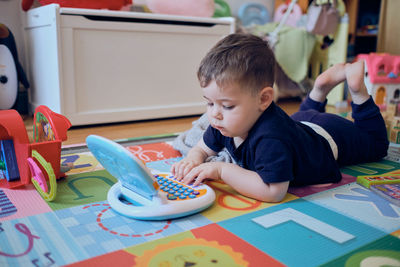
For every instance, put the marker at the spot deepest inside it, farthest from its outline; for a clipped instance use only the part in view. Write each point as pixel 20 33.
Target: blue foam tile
pixel 38 240
pixel 360 203
pixel 301 233
pixel 100 230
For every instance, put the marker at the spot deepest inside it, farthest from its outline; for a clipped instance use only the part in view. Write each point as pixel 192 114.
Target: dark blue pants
pixel 363 140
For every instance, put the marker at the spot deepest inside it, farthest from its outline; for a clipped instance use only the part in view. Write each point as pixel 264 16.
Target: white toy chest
pixel 100 66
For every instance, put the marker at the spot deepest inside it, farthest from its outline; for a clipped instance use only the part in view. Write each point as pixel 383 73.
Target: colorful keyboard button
pixel 176 190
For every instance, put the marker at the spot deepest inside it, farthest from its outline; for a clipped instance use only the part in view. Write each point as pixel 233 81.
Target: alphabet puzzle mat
pixel 341 224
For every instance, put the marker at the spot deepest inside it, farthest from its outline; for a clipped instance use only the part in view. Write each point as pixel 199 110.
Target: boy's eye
pixel 228 107
pixel 210 104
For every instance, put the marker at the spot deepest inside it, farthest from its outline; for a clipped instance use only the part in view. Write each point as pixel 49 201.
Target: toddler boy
pixel 271 149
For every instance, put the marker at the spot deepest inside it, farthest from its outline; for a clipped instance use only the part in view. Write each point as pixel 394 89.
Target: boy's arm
pixel 196 156
pixel 250 184
pixel 246 182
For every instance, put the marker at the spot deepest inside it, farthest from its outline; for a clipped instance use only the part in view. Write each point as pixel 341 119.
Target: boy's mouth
pixel 219 128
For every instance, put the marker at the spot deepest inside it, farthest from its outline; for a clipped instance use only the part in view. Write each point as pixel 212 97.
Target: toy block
pixel 390 192
pixel 53 130
pixel 368 180
pixel 394 130
pixel 394 136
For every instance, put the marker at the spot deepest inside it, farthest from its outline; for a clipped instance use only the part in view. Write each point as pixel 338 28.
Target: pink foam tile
pixel 18 203
pixel 312 189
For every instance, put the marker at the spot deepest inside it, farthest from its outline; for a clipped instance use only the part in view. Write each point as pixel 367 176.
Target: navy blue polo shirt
pixel 280 149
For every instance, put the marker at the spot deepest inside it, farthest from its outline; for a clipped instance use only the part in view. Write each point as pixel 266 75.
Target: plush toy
pixel 92 4
pixel 195 8
pixel 222 9
pixel 11 71
pixel 293 17
pixel 253 13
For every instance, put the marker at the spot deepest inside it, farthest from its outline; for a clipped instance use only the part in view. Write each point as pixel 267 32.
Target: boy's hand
pixel 183 167
pixel 196 156
pixel 209 170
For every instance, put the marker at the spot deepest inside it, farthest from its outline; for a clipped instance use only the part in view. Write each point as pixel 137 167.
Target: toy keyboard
pixel 139 194
pixel 176 190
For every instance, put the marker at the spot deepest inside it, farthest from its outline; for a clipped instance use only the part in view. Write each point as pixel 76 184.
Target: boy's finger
pixel 200 178
pixel 179 172
pixel 173 169
pixel 183 170
pixel 187 169
pixel 190 176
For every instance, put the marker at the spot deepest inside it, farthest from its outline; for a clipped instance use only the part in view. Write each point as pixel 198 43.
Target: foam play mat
pixel 342 224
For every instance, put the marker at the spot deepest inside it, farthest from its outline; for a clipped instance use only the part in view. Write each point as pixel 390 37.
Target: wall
pixel 11 12
pixel 10 15
pixel 389 27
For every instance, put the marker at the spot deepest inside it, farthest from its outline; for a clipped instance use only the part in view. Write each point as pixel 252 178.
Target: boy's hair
pixel 244 59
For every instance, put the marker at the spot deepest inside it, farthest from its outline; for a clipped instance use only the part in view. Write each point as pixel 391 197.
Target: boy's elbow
pixel 274 198
pixel 273 195
pixel 276 192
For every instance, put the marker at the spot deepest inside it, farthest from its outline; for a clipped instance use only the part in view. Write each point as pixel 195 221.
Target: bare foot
pixel 355 81
pixel 326 81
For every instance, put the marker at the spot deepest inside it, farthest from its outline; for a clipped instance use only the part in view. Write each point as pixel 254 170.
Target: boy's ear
pixel 266 97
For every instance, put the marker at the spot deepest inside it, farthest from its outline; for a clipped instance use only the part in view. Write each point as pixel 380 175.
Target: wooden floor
pixel 77 135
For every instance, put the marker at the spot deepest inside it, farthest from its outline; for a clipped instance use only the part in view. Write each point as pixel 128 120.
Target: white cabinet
pixel 100 66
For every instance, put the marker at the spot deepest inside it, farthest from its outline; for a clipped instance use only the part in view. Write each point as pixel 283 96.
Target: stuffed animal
pixel 11 71
pixel 222 9
pixel 294 16
pixel 253 13
pixel 92 4
pixel 195 8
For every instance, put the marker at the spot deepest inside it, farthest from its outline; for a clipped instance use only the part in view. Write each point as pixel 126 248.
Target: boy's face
pixel 230 110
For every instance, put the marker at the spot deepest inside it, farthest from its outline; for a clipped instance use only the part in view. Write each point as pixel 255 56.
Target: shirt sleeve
pixel 273 161
pixel 213 139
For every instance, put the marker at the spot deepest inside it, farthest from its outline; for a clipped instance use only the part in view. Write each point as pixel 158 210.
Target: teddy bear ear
pixel 26 4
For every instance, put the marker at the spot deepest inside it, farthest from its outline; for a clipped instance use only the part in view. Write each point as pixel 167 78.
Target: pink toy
pixel 37 174
pixel 195 8
pixel 293 17
pixel 92 4
pixel 49 146
pixel 382 77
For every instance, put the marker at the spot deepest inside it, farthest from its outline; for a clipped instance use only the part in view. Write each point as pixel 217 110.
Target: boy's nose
pixel 215 113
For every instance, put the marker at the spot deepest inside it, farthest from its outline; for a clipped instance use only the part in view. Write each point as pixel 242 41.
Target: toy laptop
pixel 141 195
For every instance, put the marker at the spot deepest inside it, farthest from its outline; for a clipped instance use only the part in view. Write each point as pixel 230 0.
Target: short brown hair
pixel 244 59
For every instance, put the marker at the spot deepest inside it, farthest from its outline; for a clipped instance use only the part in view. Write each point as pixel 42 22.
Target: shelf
pixel 363 26
pixel 365 34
